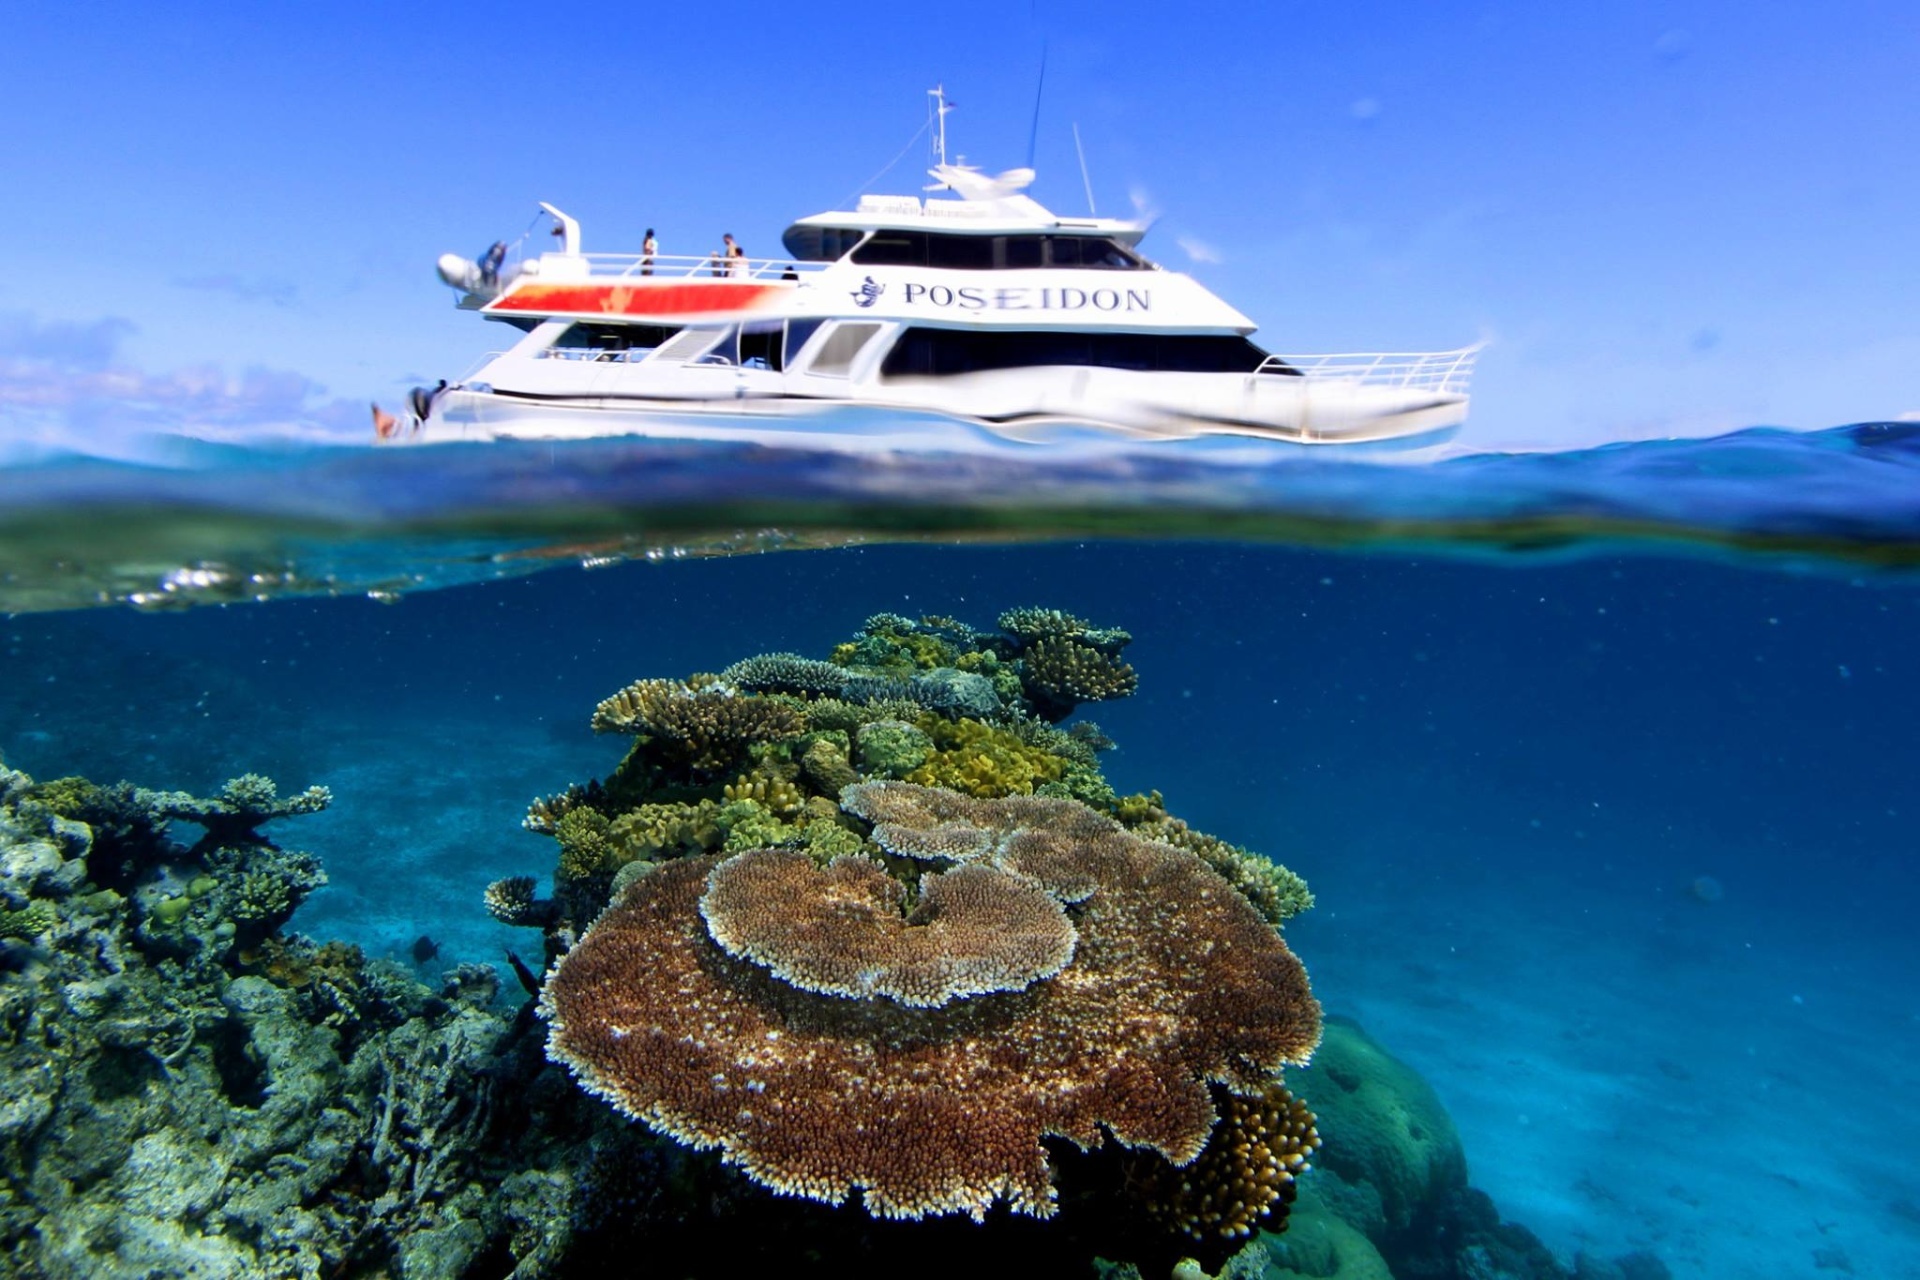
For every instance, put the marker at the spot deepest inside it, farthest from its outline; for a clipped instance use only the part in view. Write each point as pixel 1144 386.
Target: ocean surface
pixel 1604 766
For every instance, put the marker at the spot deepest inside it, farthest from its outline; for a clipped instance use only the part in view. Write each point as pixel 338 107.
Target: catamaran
pixel 971 314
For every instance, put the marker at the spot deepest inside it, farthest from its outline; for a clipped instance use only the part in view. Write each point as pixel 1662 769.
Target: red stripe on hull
pixel 696 298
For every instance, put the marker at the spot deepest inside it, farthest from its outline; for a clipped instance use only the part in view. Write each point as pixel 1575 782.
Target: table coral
pixel 708 727
pixel 846 930
pixel 1174 983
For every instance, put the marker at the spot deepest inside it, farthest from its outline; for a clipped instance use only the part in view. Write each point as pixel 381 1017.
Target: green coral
pixel 654 832
pixel 777 795
pixel 1275 891
pixel 586 845
pixel 70 797
pixel 978 759
pixel 892 748
pixel 28 922
pixel 751 825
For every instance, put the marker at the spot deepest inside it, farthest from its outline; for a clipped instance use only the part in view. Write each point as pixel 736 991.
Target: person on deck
pixel 648 248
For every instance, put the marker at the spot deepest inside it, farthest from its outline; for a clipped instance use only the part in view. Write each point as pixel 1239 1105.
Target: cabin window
pixel 689 343
pixel 761 345
pixel 798 331
pixel 961 253
pixel 888 248
pixel 944 352
pixel 821 244
pixel 842 344
pixel 587 341
pixel 894 248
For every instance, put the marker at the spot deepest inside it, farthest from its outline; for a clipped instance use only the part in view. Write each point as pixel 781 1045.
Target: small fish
pixel 424 949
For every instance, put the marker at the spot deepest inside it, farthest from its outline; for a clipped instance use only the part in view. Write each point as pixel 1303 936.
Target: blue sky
pixel 1668 218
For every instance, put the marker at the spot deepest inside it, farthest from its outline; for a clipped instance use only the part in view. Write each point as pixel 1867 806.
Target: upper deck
pixel 994 257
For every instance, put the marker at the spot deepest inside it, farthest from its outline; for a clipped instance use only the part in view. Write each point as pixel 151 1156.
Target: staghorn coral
pixel 785 673
pixel 706 727
pixel 1059 673
pixel 1174 983
pixel 846 931
pixel 840 715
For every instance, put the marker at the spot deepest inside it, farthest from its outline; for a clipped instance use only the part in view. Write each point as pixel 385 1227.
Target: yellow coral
pixel 976 759
pixel 779 796
pixel 656 831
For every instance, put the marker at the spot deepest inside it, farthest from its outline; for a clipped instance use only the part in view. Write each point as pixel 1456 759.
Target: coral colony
pixel 867 945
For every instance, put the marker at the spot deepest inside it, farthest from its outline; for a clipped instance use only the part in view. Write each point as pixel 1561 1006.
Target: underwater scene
pixel 521 862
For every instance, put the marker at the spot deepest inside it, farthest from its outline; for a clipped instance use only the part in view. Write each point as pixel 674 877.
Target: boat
pixel 970 314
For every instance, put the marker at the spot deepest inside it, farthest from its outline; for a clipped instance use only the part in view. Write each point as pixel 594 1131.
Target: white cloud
pixel 1197 249
pixel 65 386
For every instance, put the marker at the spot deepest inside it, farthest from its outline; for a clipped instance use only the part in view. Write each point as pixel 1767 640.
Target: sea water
pixel 1601 765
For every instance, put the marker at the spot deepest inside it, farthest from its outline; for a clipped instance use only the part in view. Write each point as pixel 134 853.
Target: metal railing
pixel 1444 372
pixel 680 266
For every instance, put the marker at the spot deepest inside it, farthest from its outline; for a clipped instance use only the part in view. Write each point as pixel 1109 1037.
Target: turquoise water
pixel 1600 765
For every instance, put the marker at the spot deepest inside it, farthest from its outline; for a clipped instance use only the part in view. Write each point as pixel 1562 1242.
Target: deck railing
pixel 1443 372
pixel 623 266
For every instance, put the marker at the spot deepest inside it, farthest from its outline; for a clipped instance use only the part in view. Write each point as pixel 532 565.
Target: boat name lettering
pixel 968 298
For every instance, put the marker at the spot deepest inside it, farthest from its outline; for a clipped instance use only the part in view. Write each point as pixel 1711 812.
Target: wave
pixel 180 522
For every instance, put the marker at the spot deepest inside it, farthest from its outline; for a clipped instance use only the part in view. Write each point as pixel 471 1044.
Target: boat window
pixel 689 343
pixel 760 345
pixel 894 248
pixel 1020 253
pixel 821 244
pixel 798 331
pixel 1089 251
pixel 944 352
pixel 889 248
pixel 960 253
pixel 841 346
pixel 586 341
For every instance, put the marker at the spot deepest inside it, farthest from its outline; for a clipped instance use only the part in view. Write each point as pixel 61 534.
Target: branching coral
pixel 1244 1180
pixel 707 727
pixel 1174 983
pixel 1059 673
pixel 1275 891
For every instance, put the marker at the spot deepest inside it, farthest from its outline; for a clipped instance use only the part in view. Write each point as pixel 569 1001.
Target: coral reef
pixel 192 1093
pixel 1175 982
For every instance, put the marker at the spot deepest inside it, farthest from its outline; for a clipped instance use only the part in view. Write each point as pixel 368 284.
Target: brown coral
pixel 1245 1178
pixel 709 726
pixel 845 931
pixel 1175 982
pixel 1062 672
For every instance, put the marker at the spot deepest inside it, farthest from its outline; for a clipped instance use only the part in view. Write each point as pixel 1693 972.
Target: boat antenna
pixel 940 108
pixel 1033 134
pixel 1085 181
